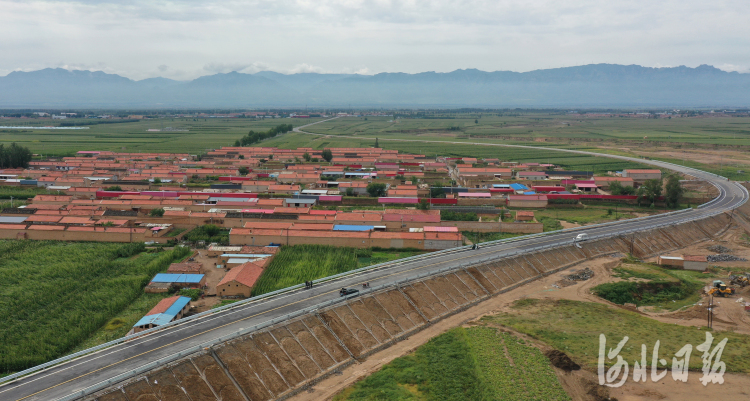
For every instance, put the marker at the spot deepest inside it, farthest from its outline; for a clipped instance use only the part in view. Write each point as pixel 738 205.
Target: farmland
pixel 296 264
pixel 477 363
pixel 55 295
pixel 190 135
pixel 681 140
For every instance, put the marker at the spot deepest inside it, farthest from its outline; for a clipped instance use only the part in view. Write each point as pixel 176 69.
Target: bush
pixel 113 188
pixel 156 212
pixel 193 293
pixel 208 233
pixel 457 216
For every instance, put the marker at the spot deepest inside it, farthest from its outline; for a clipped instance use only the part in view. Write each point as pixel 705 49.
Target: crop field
pixel 568 160
pixel 477 363
pixel 201 134
pixel 299 263
pixel 554 126
pixel 55 295
pixel 574 328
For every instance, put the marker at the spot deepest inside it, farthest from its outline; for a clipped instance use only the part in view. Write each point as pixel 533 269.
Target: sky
pixel 186 39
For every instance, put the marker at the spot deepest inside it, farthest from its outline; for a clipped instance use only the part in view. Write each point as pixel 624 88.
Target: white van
pixel 582 237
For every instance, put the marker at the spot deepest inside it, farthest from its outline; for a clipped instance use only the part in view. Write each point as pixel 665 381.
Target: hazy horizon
pixel 184 40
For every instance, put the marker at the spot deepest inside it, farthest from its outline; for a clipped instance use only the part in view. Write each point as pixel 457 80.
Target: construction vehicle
pixel 720 289
pixel 741 280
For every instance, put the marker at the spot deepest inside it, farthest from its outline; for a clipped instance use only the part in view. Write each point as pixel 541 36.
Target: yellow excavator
pixel 720 289
pixel 739 280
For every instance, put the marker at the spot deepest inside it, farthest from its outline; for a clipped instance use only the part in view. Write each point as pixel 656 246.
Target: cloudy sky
pixel 189 38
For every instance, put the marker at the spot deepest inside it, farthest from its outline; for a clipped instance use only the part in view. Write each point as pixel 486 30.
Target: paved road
pixel 89 370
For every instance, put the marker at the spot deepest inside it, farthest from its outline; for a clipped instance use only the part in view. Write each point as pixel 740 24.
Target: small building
pixel 672 261
pixel 525 215
pixel 527 200
pixel 167 310
pixel 585 187
pixel 186 267
pixel 695 262
pixel 531 175
pixel 180 280
pixel 642 175
pixel 239 282
pixel 297 202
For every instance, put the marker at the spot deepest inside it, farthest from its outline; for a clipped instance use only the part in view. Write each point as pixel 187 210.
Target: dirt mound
pixel 581 275
pixel 597 392
pixel 560 360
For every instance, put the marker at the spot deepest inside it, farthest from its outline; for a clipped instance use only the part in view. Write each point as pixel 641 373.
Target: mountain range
pixel 594 86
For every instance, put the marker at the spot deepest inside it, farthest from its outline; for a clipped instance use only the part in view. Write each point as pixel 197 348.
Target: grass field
pixel 55 295
pixel 574 328
pixel 555 126
pixel 650 285
pixel 201 134
pixel 477 363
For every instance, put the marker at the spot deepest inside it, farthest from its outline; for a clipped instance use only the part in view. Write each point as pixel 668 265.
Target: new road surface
pixel 89 370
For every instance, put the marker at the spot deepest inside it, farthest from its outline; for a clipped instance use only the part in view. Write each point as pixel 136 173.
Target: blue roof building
pixel 167 310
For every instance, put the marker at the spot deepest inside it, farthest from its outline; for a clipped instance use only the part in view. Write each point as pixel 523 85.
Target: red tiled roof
pixel 163 305
pixel 246 274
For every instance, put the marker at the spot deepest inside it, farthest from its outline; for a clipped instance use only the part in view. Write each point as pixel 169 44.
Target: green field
pixel 555 126
pixel 299 263
pixel 134 136
pixel 56 295
pixel 553 129
pixel 574 328
pixel 646 284
pixel 477 363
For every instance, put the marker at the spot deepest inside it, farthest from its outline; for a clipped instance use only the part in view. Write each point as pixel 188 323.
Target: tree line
pixel 254 137
pixel 14 156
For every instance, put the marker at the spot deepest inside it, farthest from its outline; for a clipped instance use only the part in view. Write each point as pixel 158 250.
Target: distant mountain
pixel 596 85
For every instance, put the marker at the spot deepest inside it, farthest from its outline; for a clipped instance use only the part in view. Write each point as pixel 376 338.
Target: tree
pixel 156 212
pixel 157 180
pixel 243 170
pixel 476 121
pixel 616 188
pixel 650 190
pixel 241 157
pixel 327 155
pixel 306 156
pixel 376 190
pixel 673 191
pixel 376 143
pixel 349 191
pixel 114 188
pixel 437 192
pixel 423 204
pixel 14 156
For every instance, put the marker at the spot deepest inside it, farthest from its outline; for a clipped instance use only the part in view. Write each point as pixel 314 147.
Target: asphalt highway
pixel 86 371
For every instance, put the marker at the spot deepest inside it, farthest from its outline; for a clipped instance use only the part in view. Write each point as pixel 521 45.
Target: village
pixel 235 206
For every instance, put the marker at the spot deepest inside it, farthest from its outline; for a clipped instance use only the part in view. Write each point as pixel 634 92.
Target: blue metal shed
pixel 348 227
pixel 177 278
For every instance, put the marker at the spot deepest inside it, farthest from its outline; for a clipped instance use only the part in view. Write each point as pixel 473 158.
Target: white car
pixel 582 237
